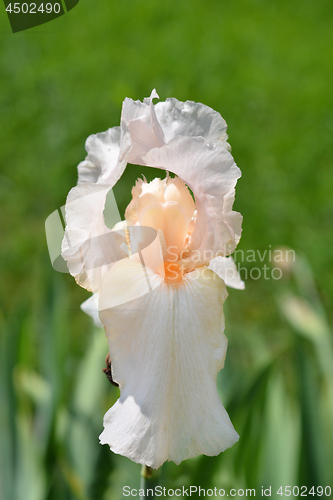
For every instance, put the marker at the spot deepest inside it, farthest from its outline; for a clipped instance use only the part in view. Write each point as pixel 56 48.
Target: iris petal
pixel 166 348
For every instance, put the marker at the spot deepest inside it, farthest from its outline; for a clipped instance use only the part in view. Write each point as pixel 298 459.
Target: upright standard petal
pixel 212 175
pixel 166 348
pixel 140 129
pixel 190 140
pixel 101 163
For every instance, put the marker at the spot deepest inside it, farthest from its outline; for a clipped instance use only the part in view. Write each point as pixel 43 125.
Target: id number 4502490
pixel 304 491
pixel 32 8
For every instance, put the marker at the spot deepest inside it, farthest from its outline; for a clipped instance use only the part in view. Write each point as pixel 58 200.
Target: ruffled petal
pixel 191 119
pixel 89 246
pixel 158 124
pixel 166 348
pixel 226 269
pixel 212 175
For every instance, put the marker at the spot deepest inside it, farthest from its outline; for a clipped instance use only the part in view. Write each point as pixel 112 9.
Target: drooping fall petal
pixel 166 348
pixel 89 246
pixel 90 307
pixel 226 269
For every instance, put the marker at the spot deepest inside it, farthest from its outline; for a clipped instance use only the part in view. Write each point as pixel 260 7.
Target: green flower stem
pixel 149 479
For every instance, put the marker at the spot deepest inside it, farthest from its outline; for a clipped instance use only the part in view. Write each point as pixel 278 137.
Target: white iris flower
pixel 159 278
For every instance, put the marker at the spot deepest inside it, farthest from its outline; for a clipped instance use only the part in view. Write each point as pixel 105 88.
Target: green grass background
pixel 267 67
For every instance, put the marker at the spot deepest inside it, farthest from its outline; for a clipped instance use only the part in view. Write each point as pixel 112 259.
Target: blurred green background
pixel 267 67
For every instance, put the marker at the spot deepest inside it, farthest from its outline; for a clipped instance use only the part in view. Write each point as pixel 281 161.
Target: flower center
pixel 173 273
pixel 168 207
